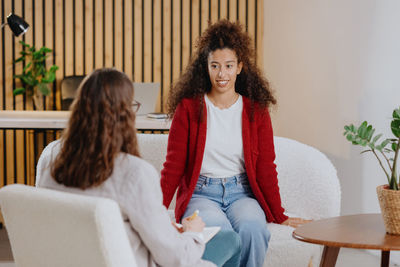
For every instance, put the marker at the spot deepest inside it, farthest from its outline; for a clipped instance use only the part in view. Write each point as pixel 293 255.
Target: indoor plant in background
pixel 35 77
pixel 386 152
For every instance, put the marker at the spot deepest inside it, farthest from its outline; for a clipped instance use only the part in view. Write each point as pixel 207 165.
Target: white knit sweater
pixel 134 185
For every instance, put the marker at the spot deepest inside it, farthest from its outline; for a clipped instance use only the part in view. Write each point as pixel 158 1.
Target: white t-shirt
pixel 223 153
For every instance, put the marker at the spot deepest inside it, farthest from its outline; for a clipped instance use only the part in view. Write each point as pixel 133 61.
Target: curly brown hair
pixel 102 124
pixel 195 80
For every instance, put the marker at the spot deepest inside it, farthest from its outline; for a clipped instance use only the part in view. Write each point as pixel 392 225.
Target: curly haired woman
pixel 220 147
pixel 98 155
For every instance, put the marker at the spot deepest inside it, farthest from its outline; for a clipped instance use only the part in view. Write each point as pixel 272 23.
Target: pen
pixel 194 215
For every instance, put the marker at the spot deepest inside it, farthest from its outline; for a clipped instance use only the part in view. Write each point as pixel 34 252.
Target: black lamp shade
pixel 17 24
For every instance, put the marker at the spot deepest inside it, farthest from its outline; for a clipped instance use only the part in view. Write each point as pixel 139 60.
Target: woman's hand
pixel 193 225
pixel 295 222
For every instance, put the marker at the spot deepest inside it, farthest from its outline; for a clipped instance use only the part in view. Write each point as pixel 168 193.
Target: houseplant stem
pixel 380 163
pixel 396 154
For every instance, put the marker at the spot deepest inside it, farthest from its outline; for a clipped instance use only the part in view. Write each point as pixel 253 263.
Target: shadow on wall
pixel 349 171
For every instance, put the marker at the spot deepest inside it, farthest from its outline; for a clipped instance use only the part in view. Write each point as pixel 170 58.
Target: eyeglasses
pixel 136 105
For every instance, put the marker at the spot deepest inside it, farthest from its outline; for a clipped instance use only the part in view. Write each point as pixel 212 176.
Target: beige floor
pixel 347 258
pixel 357 258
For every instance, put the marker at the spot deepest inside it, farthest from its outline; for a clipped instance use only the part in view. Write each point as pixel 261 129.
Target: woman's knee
pixel 254 229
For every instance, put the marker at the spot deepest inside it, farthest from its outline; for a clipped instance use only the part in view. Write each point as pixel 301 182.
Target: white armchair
pixel 49 228
pixel 309 189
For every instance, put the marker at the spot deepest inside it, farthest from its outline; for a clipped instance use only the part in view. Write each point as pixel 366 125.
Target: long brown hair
pixel 195 81
pixel 102 124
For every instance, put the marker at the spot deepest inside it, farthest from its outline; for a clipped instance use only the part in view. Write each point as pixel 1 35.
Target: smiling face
pixel 223 67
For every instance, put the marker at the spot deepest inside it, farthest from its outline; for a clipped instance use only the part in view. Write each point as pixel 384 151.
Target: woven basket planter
pixel 389 200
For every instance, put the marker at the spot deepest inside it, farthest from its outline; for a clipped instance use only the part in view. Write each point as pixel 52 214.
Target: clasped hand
pixel 295 222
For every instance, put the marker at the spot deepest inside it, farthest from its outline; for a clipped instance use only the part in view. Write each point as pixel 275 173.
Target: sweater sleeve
pixel 177 148
pixel 266 168
pixel 43 166
pixel 140 200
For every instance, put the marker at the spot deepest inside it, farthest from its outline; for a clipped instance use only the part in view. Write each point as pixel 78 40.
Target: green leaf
pixel 364 132
pixel 45 50
pixel 363 142
pixel 53 68
pixel 349 137
pixel 27 66
pixel 396 113
pixel 384 143
pixel 37 55
pixel 24 44
pixel 370 132
pixel 49 77
pixel 29 80
pixel 395 126
pixel 19 76
pixel 40 70
pixel 394 146
pixel 19 91
pixel 361 128
pixel 43 88
pixel 376 138
pixel 19 59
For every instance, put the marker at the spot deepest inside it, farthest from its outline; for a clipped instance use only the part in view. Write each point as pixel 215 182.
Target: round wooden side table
pixel 361 231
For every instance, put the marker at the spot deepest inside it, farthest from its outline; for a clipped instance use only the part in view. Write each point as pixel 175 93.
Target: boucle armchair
pixel 49 228
pixel 309 188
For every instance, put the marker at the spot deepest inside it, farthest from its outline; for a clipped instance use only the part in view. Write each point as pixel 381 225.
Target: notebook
pixel 147 94
pixel 208 232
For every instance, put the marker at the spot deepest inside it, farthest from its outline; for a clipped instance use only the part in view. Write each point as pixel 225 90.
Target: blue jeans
pixel 230 203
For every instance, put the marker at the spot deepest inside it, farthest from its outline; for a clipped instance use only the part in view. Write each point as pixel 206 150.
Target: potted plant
pixel 35 77
pixel 386 152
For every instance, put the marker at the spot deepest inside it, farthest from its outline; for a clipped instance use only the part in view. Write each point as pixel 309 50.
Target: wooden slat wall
pixel 150 40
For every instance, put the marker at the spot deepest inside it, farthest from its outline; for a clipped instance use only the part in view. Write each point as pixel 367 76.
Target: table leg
pixel 385 258
pixel 329 256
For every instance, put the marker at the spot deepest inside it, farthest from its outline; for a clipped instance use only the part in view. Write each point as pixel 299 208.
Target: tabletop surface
pixel 365 231
pixel 24 119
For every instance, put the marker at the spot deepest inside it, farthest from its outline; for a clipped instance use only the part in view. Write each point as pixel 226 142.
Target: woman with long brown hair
pixel 220 148
pixel 98 155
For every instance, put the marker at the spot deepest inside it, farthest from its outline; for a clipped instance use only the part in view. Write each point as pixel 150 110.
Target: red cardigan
pixel 186 142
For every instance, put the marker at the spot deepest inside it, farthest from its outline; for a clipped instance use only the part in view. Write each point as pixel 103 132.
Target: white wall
pixel 332 63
